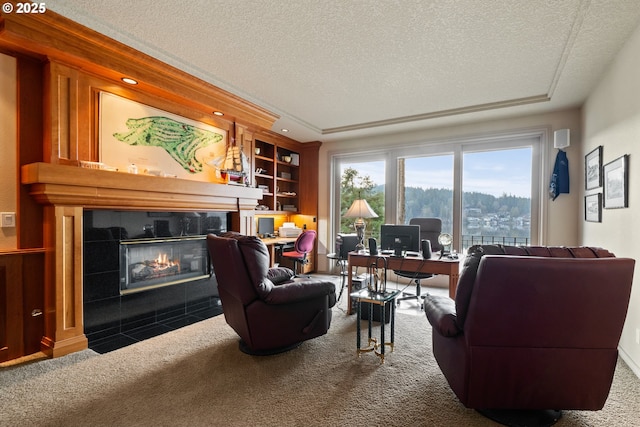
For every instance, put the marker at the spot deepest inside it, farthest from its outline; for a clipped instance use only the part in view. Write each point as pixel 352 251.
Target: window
pixel 362 180
pixel 484 189
pixel 428 189
pixel 496 197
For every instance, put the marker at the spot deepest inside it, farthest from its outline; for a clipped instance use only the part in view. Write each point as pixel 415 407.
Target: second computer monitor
pixel 405 237
pixel 265 226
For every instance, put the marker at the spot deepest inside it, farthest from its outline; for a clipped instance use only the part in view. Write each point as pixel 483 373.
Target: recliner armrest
pixel 441 313
pixel 279 275
pixel 300 290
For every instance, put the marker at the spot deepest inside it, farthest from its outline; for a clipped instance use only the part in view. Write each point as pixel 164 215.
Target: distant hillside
pixel 435 202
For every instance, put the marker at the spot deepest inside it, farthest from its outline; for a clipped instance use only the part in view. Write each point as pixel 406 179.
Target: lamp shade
pixel 360 209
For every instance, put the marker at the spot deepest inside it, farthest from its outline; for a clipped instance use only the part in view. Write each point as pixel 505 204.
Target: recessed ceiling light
pixel 218 113
pixel 129 81
pixel 284 130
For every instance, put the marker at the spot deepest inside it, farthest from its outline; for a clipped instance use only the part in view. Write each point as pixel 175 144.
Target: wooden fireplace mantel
pixel 52 184
pixel 66 191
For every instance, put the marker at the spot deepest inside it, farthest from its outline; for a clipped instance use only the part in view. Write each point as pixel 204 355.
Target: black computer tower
pixel 345 243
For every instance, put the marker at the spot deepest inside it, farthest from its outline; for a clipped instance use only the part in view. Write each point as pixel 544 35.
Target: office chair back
pixel 305 241
pixel 303 245
pixel 430 229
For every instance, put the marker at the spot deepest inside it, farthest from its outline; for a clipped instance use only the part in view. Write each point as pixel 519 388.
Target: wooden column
pixel 64 327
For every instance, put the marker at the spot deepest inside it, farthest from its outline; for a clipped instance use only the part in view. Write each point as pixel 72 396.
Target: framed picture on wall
pixel 593 169
pixel 158 142
pixel 616 183
pixel 593 207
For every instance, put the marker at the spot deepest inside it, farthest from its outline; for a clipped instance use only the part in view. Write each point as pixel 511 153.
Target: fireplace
pixel 152 263
pixel 146 271
pixel 82 278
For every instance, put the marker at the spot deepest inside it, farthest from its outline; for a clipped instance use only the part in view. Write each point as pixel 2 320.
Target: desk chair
pixel 303 245
pixel 430 229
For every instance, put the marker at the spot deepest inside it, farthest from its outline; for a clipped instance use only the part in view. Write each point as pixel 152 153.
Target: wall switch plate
pixel 8 219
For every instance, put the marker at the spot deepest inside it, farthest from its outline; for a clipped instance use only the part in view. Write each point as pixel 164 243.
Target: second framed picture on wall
pixel 593 207
pixel 616 183
pixel 593 169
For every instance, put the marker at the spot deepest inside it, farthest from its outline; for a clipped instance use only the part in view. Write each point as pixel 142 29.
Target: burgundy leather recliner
pixel 532 328
pixel 270 311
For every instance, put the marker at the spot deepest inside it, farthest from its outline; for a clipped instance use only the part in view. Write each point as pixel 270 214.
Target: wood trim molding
pixel 50 36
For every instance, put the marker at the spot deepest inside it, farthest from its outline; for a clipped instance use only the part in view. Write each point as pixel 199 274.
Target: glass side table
pixel 376 301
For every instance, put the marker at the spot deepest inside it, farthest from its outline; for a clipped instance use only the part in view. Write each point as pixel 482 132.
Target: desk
pixel 449 267
pixel 272 242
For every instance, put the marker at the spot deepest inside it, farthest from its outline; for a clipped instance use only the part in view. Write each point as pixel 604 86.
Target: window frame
pixel 537 139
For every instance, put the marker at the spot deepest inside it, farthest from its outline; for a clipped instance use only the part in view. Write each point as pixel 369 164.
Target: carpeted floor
pixel 196 376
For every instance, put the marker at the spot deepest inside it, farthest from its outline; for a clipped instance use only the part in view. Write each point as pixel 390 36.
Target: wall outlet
pixel 8 219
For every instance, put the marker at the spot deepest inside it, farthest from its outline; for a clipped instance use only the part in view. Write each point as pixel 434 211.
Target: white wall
pixel 560 216
pixel 8 138
pixel 611 118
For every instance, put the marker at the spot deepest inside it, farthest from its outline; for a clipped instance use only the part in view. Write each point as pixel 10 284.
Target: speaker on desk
pixel 426 248
pixel 373 246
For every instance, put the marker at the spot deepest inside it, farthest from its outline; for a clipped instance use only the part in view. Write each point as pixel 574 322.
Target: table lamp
pixel 360 209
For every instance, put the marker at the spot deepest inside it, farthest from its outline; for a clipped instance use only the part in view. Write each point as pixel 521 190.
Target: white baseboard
pixel 629 361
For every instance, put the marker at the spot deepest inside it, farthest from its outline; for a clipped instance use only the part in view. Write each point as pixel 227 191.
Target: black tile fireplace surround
pixel 113 318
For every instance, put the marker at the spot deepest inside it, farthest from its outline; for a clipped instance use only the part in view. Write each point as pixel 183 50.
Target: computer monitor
pixel 265 226
pixel 405 237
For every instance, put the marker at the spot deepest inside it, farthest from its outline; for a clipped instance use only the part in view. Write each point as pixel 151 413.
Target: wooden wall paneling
pixel 309 180
pixel 60 136
pixel 30 147
pixel 10 300
pixel 244 137
pixel 243 222
pixel 33 300
pixel 69 115
pixel 64 327
pixel 21 292
pixel 6 339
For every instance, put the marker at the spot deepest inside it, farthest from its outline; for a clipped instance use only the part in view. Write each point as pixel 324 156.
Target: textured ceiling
pixel 338 69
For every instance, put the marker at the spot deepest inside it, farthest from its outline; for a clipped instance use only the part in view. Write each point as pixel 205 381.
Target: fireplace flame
pixel 163 261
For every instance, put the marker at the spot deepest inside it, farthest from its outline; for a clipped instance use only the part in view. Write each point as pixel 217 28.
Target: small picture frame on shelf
pixel 616 183
pixel 593 169
pixel 593 207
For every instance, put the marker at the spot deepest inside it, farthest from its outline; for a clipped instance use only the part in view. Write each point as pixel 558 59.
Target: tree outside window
pixel 356 185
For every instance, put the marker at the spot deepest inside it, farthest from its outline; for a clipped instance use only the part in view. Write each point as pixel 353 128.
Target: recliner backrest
pixel 533 302
pixel 466 282
pixel 240 264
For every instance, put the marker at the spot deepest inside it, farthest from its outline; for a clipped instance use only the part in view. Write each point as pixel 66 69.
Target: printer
pixel 289 229
pixel 345 243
